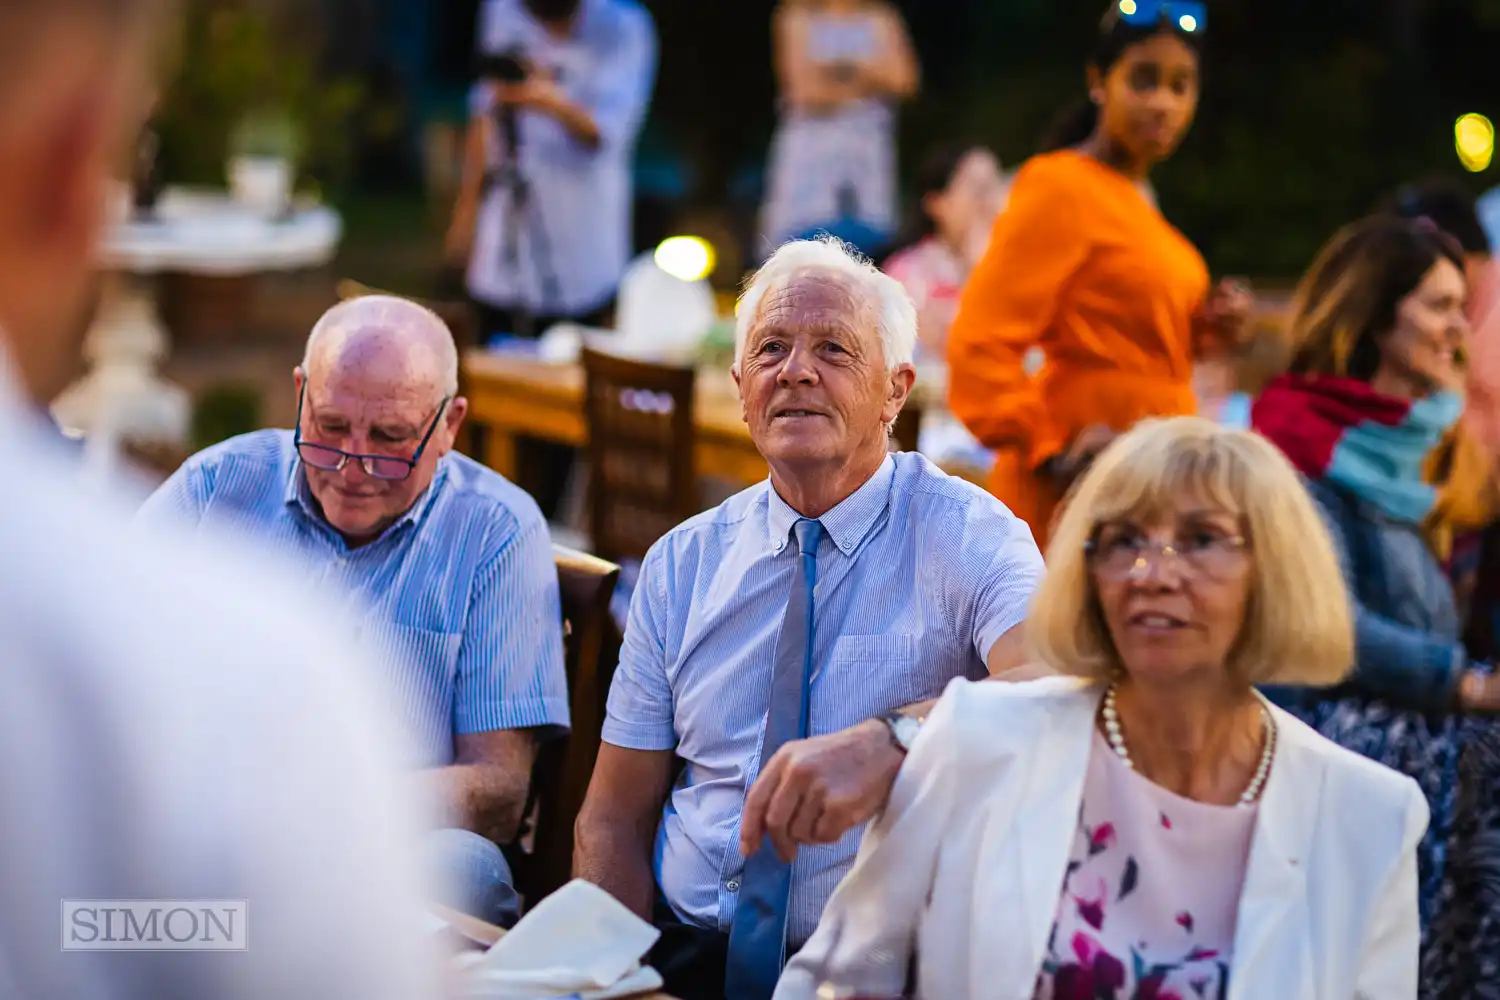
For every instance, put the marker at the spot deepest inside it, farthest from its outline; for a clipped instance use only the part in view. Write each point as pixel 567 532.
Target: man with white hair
pixel 791 635
pixel 448 565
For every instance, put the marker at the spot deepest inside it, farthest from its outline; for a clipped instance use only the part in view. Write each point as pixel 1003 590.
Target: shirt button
pixel 733 885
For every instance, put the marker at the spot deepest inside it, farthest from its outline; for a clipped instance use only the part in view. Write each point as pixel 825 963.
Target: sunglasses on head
pixel 1187 16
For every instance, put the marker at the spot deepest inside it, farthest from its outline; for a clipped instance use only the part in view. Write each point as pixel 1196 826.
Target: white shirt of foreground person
pixel 964 868
pixel 173 727
pixel 578 226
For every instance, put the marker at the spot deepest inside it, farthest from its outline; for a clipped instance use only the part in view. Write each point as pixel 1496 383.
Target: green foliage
pixel 244 77
pixel 225 411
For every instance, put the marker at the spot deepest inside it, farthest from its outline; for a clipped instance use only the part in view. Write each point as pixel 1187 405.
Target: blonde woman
pixel 842 65
pixel 1147 826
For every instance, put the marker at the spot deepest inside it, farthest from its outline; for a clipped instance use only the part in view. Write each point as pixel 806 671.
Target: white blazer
pixel 966 865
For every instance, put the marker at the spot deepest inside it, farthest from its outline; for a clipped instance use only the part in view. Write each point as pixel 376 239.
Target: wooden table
pixel 514 396
pixel 511 397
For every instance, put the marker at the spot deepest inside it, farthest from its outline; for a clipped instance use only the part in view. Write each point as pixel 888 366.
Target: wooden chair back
pixel 462 322
pixel 564 766
pixel 642 482
pixel 908 429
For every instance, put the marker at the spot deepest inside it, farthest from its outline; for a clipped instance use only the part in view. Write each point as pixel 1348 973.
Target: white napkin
pixel 579 941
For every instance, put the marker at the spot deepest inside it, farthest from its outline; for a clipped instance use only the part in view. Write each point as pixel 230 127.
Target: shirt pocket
pixel 867 676
pixel 420 674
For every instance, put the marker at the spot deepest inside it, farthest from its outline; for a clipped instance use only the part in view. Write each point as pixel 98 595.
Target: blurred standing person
pixel 169 729
pixel 543 217
pixel 841 65
pixel 960 191
pixel 1084 265
pixel 1370 415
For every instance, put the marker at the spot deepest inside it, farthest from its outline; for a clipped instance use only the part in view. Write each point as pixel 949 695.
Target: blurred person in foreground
pixel 1370 415
pixel 841 67
pixel 172 726
pixel 785 643
pixel 1083 265
pixel 960 191
pixel 449 565
pixel 1146 826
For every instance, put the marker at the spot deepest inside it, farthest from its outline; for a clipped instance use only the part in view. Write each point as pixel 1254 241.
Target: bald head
pixel 387 339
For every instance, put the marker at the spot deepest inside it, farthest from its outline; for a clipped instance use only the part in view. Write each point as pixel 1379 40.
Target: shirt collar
pixel 299 495
pixel 847 524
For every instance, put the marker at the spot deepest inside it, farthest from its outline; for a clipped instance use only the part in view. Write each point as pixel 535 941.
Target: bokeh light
pixel 687 258
pixel 1188 22
pixel 1474 138
pixel 1127 7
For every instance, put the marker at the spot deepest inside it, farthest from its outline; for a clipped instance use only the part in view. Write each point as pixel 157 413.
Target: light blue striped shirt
pixel 919 574
pixel 460 594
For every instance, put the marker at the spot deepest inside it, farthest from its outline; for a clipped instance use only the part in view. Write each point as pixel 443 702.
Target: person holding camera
pixel 543 218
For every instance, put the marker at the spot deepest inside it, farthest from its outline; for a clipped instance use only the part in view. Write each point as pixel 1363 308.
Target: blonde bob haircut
pixel 1298 625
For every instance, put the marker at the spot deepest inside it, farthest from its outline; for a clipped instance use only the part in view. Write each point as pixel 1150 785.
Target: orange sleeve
pixel 1038 244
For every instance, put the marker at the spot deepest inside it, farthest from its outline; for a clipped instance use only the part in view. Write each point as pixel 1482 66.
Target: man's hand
pixel 1069 465
pixel 538 92
pixel 1229 310
pixel 816 790
pixel 542 93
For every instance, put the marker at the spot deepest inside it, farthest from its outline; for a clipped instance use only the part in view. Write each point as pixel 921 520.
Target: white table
pixel 196 232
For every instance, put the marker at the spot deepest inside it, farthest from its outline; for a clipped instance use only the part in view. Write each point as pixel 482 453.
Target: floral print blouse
pixel 1152 890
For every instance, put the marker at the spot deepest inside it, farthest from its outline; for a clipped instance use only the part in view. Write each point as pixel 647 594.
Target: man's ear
pixel 898 391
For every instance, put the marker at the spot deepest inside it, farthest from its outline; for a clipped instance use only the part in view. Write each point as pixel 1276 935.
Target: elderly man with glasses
pixel 447 564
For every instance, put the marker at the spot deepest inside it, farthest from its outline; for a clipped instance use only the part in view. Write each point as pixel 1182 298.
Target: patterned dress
pixel 838 165
pixel 1150 901
pixel 1402 589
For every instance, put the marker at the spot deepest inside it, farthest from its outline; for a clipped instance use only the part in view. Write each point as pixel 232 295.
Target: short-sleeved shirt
pixel 460 594
pixel 578 226
pixel 919 573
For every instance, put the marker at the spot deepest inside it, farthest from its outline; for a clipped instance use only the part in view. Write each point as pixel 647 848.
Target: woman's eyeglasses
pixel 1123 554
pixel 392 468
pixel 1187 16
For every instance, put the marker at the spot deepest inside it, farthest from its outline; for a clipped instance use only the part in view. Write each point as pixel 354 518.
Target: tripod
pixel 521 209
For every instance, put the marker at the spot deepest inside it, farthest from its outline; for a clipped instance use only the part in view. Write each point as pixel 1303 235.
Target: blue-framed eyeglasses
pixel 392 468
pixel 1188 16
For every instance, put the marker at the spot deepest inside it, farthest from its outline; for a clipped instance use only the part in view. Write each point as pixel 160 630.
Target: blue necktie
pixel 757 939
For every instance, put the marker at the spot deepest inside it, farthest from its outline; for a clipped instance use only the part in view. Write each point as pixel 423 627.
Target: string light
pixel 687 258
pixel 1474 139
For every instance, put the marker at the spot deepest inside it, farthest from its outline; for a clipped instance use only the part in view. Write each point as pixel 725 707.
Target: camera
pixel 506 67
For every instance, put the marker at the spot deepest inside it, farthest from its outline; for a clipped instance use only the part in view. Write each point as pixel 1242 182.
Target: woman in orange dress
pixel 1084 266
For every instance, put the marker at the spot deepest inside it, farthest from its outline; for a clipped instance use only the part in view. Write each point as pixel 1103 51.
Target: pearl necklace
pixel 1262 770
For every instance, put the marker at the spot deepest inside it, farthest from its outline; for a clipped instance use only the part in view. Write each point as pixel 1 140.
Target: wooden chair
pixel 908 429
pixel 642 482
pixel 564 766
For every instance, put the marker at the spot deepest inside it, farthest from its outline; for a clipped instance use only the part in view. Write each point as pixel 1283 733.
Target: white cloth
pixel 580 225
pixel 579 942
pixel 966 865
pixel 172 727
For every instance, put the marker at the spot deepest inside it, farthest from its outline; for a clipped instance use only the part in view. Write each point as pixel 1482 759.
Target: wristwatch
pixel 903 730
